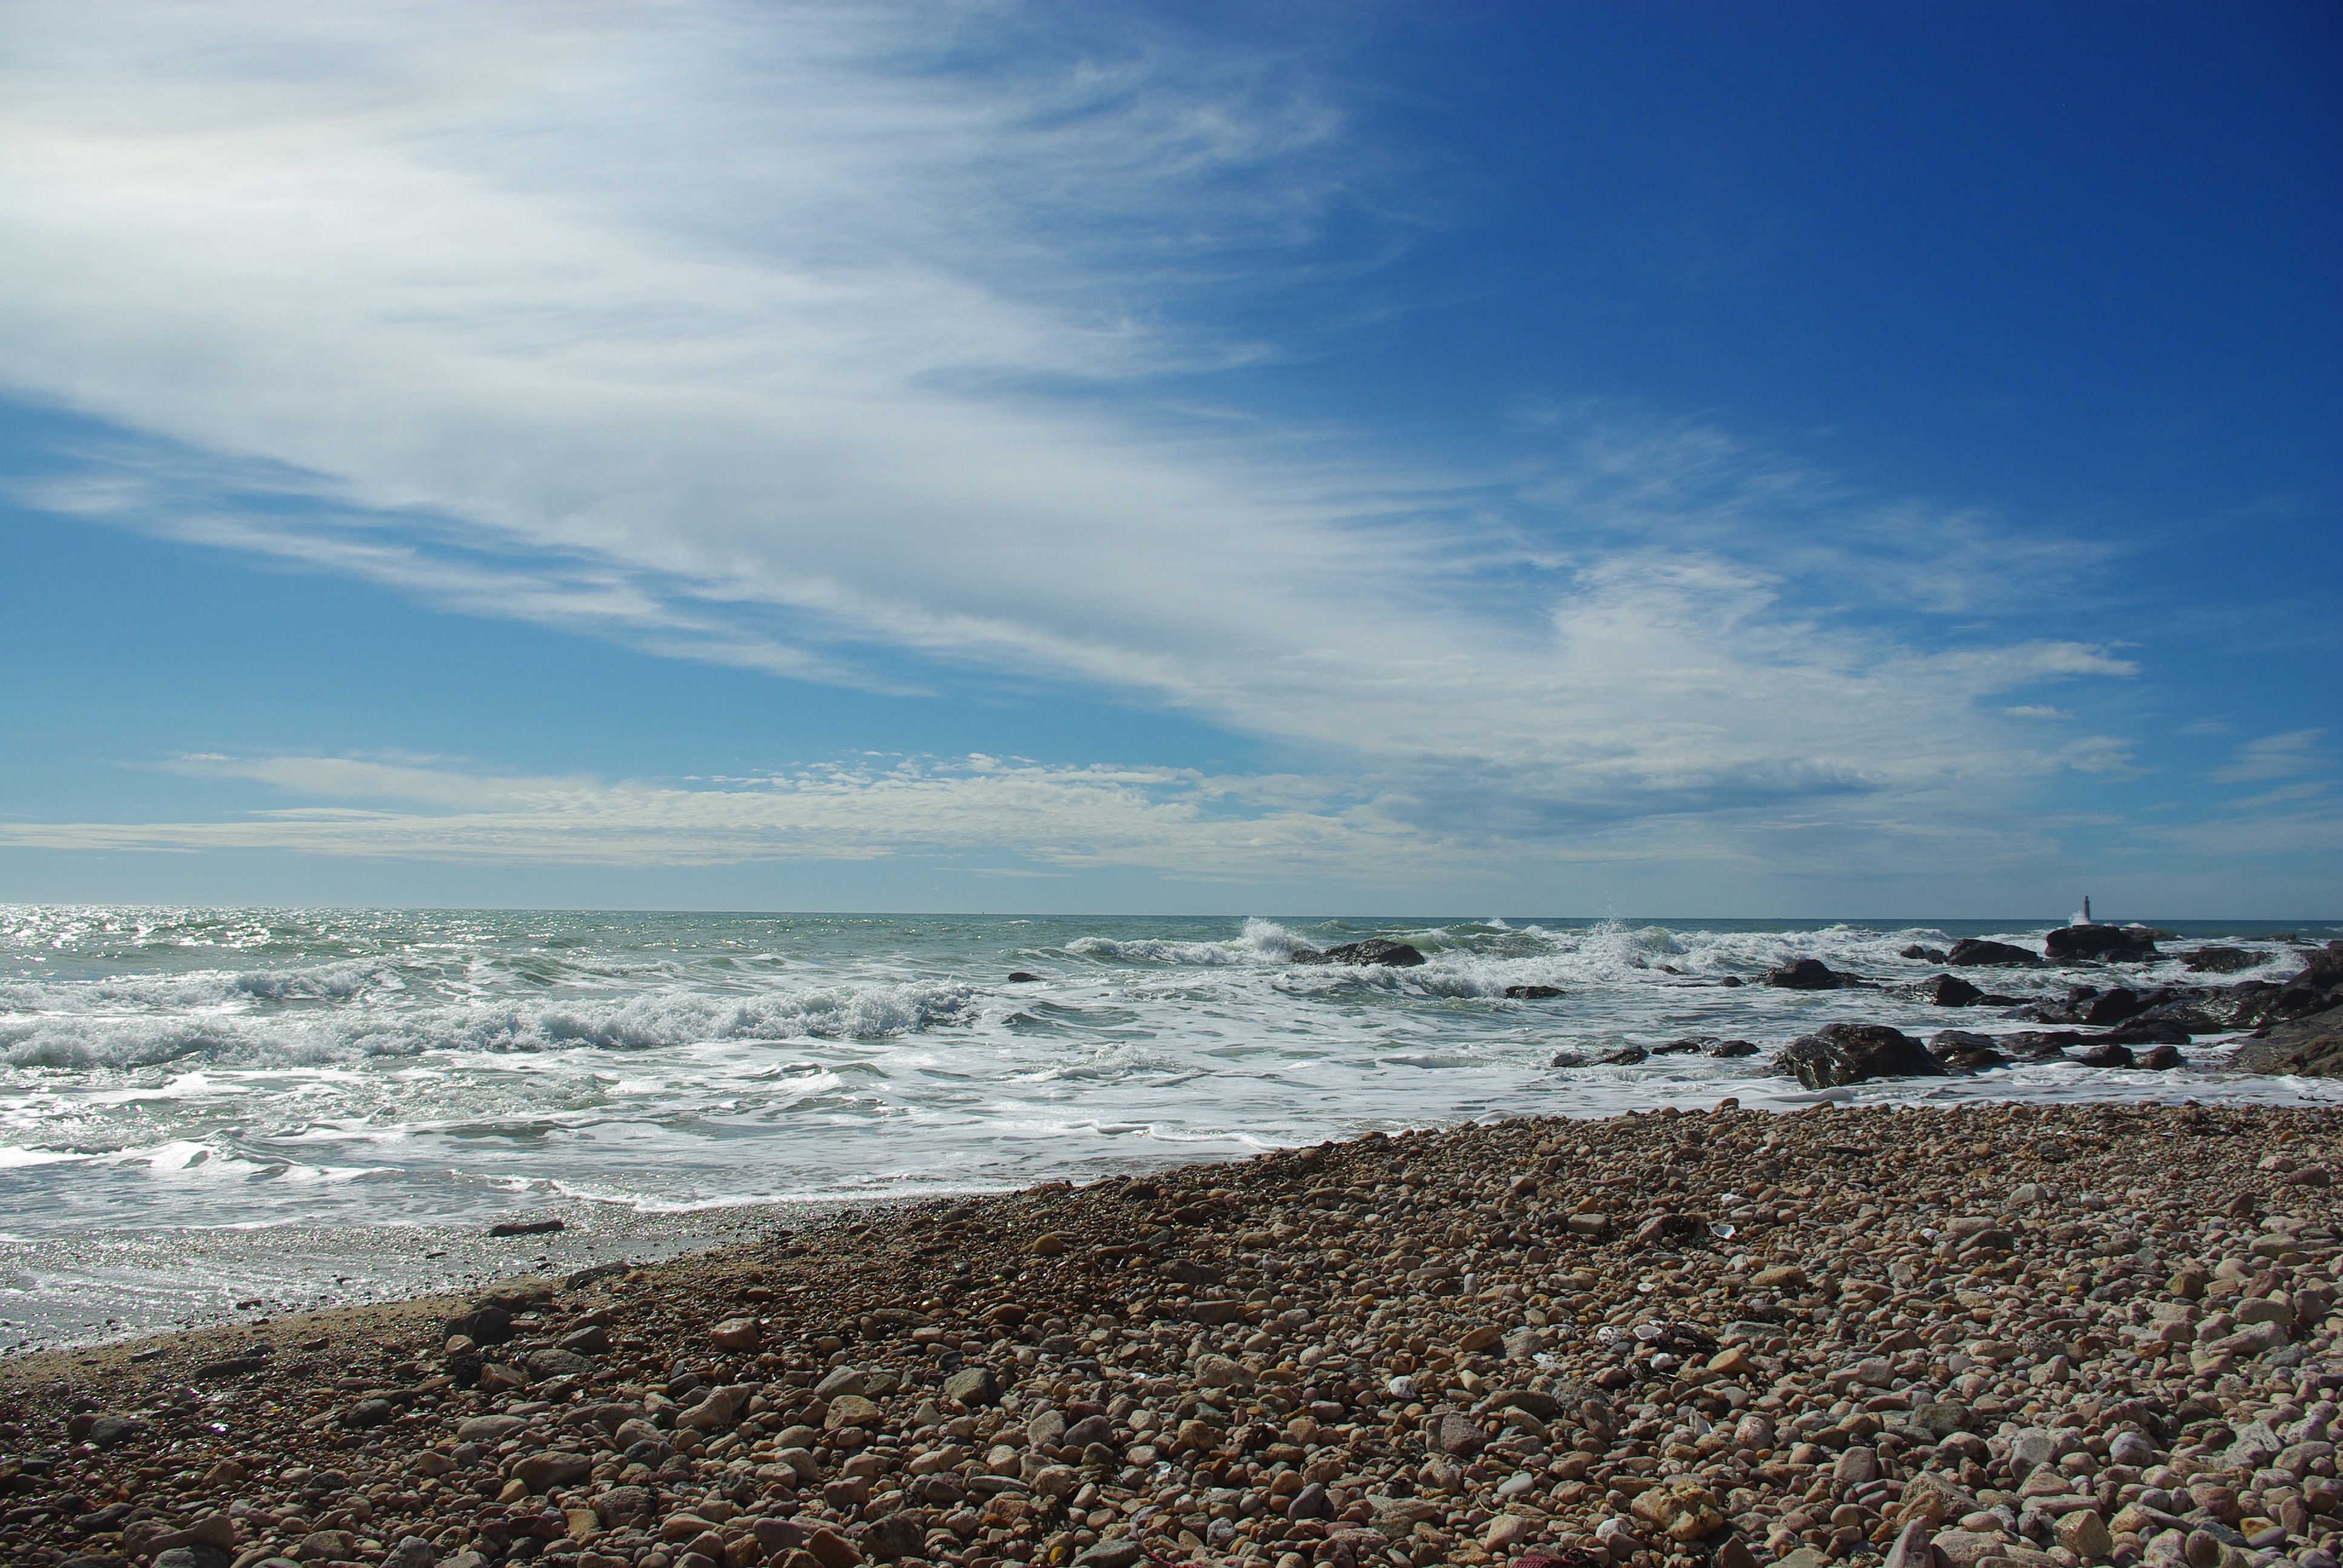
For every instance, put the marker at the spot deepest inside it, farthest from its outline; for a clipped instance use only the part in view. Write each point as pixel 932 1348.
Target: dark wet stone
pixel 527 1228
pixel 1971 953
pixel 1842 1053
pixel 1948 991
pixel 2115 943
pixel 1374 951
pixel 1965 1049
pixel 1806 974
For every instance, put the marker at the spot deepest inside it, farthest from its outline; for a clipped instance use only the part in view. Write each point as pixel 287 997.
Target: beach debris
pixel 527 1227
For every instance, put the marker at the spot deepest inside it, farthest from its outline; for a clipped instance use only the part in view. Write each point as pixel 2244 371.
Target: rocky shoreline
pixel 2296 1025
pixel 2015 1334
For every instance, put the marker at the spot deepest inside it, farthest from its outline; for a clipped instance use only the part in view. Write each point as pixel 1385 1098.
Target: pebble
pixel 2019 1334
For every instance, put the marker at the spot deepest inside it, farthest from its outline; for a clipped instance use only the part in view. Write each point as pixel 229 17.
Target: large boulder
pixel 2308 1048
pixel 1970 952
pixel 1855 1052
pixel 2115 944
pixel 1806 974
pixel 1374 951
pixel 2110 1008
pixel 1965 1049
pixel 2316 989
pixel 1946 991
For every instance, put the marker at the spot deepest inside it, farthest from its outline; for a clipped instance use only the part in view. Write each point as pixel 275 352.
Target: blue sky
pixel 1796 460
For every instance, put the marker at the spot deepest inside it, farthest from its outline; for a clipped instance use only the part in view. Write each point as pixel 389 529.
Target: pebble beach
pixel 1985 1334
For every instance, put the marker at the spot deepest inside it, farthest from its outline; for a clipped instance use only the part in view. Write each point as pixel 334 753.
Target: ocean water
pixel 199 1107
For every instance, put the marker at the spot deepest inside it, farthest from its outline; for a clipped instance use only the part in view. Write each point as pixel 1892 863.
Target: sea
pixel 213 1114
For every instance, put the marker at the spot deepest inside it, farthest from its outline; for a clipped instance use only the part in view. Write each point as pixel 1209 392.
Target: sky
pixel 1804 460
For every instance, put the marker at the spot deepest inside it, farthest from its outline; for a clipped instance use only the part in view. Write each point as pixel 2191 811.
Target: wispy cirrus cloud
pixel 2272 757
pixel 851 343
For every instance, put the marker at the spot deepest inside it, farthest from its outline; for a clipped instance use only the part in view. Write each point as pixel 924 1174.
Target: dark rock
pixel 1019 977
pixel 2159 1059
pixel 199 1554
pixel 1806 974
pixel 2307 1048
pixel 1685 1047
pixel 2044 1045
pixel 2070 1010
pixel 1855 1052
pixel 2219 960
pixel 2105 1054
pixel 2115 944
pixel 1970 952
pixel 1627 1057
pixel 1532 992
pixel 591 1340
pixel 1374 951
pixel 1730 982
pixel 1566 1058
pixel 1091 1428
pixel 1925 955
pixel 2233 1005
pixel 369 1412
pixel 1731 1047
pixel 2318 986
pixel 109 1517
pixel 482 1326
pixel 2110 1008
pixel 109 1431
pixel 1528 1401
pixel 1948 991
pixel 2148 1031
pixel 1965 1049
pixel 893 1537
pixel 527 1228
pixel 1311 1502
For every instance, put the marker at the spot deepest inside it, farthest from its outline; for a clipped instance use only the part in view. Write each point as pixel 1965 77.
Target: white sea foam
pixel 162 1067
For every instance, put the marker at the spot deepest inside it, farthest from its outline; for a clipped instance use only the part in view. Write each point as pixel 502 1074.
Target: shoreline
pixel 1724 1337
pixel 131 1285
pixel 276 1270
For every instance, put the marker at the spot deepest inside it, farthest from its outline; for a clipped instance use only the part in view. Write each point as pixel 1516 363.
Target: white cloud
pixel 757 335
pixel 1178 821
pixel 1422 830
pixel 2284 756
